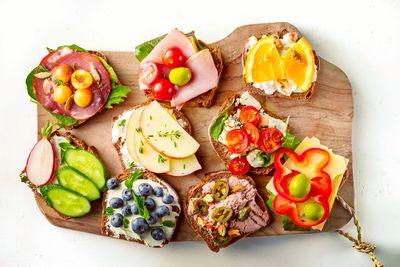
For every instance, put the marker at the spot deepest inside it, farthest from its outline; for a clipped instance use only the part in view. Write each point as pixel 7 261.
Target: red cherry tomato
pixel 270 140
pixel 252 132
pixel 149 73
pixel 239 166
pixel 250 114
pixel 163 89
pixel 237 141
pixel 173 58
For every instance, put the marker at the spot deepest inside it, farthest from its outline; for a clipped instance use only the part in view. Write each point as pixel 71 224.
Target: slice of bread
pixel 222 150
pixel 176 113
pixel 297 96
pixel 76 142
pixel 197 189
pixel 106 230
pixel 205 99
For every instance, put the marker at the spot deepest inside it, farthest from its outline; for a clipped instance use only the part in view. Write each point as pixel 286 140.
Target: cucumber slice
pixel 65 201
pixel 87 164
pixel 75 181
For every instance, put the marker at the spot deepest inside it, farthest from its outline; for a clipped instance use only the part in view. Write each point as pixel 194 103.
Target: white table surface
pixel 362 38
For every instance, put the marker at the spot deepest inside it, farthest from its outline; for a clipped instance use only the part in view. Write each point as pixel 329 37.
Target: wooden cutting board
pixel 328 116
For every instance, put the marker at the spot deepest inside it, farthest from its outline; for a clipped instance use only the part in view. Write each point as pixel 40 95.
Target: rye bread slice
pixel 296 96
pixel 177 114
pixel 76 142
pixel 203 233
pixel 122 177
pixel 222 150
pixel 205 99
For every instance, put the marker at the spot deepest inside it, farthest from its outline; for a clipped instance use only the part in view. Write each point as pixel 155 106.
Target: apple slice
pixel 41 163
pixel 131 129
pixel 182 167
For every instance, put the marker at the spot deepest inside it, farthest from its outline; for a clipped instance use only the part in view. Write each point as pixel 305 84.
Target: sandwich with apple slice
pixel 155 137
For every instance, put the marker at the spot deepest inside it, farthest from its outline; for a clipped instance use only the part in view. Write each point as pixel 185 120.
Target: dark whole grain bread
pixel 205 99
pixel 221 149
pixel 296 96
pixel 76 142
pixel 177 114
pixel 122 177
pixel 194 190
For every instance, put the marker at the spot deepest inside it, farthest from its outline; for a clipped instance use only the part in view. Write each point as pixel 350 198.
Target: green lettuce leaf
pixel 73 47
pixel 63 119
pixel 218 126
pixel 117 95
pixel 267 158
pixel 290 140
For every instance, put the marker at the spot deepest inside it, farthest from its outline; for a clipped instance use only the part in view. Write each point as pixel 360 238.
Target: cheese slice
pixel 335 168
pixel 181 167
pixel 165 134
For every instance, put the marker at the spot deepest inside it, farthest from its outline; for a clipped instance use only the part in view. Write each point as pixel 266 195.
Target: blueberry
pixel 150 204
pixel 168 199
pixel 158 191
pixel 153 218
pixel 145 189
pixel 139 226
pixel 158 234
pixel 162 211
pixel 134 209
pixel 126 210
pixel 116 220
pixel 127 194
pixel 112 183
pixel 116 202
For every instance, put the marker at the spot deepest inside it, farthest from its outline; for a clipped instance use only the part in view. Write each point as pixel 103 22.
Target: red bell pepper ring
pixel 285 207
pixel 321 185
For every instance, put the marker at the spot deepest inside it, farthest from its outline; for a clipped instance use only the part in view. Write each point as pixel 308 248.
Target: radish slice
pixel 40 166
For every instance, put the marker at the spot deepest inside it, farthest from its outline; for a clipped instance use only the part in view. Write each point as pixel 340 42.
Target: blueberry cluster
pixel 140 225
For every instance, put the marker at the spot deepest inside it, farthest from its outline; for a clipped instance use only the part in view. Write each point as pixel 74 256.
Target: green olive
pixel 299 186
pixel 222 214
pixel 223 240
pixel 243 213
pixel 180 76
pixel 220 190
pixel 200 207
pixel 313 211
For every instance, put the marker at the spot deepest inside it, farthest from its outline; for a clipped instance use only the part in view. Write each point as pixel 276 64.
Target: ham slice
pixel 175 38
pixel 204 77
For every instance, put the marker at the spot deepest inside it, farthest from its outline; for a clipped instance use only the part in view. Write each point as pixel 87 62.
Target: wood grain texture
pixel 328 116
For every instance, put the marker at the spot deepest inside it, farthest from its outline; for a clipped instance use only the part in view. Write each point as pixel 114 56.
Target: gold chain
pixel 358 243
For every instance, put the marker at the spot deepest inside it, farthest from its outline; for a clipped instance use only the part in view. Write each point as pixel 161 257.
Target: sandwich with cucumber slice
pixel 66 172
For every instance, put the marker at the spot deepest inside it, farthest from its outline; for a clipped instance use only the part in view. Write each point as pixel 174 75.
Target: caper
pixel 200 207
pixel 220 190
pixel 243 214
pixel 222 214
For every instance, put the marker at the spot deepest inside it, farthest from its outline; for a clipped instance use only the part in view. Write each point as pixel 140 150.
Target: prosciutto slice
pixel 175 38
pixel 204 77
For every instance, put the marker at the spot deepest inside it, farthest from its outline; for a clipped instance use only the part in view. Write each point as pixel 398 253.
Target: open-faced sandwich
pixel 157 138
pixel 179 68
pixel 281 64
pixel 66 172
pixel 73 84
pixel 304 187
pixel 140 207
pixel 245 136
pixel 225 208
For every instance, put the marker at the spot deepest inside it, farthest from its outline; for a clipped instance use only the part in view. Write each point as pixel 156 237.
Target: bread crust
pixel 296 96
pixel 122 177
pixel 222 150
pixel 204 234
pixel 206 99
pixel 178 115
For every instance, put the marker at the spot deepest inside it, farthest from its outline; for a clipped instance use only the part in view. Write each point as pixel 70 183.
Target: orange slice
pixel 299 65
pixel 263 62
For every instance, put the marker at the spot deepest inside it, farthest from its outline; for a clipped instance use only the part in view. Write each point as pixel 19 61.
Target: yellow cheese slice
pixel 336 168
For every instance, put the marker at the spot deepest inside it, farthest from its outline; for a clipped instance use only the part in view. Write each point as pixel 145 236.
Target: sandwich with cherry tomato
pixel 180 69
pixel 305 184
pixel 246 136
pixel 74 84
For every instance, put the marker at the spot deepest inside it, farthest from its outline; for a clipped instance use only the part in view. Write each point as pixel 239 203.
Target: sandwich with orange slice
pixel 155 137
pixel 281 64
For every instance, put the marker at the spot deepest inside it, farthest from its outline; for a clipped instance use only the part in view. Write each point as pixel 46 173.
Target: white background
pixel 363 38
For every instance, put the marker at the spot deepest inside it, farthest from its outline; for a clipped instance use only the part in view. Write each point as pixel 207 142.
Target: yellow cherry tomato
pixel 62 72
pixel 62 93
pixel 83 98
pixel 81 79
